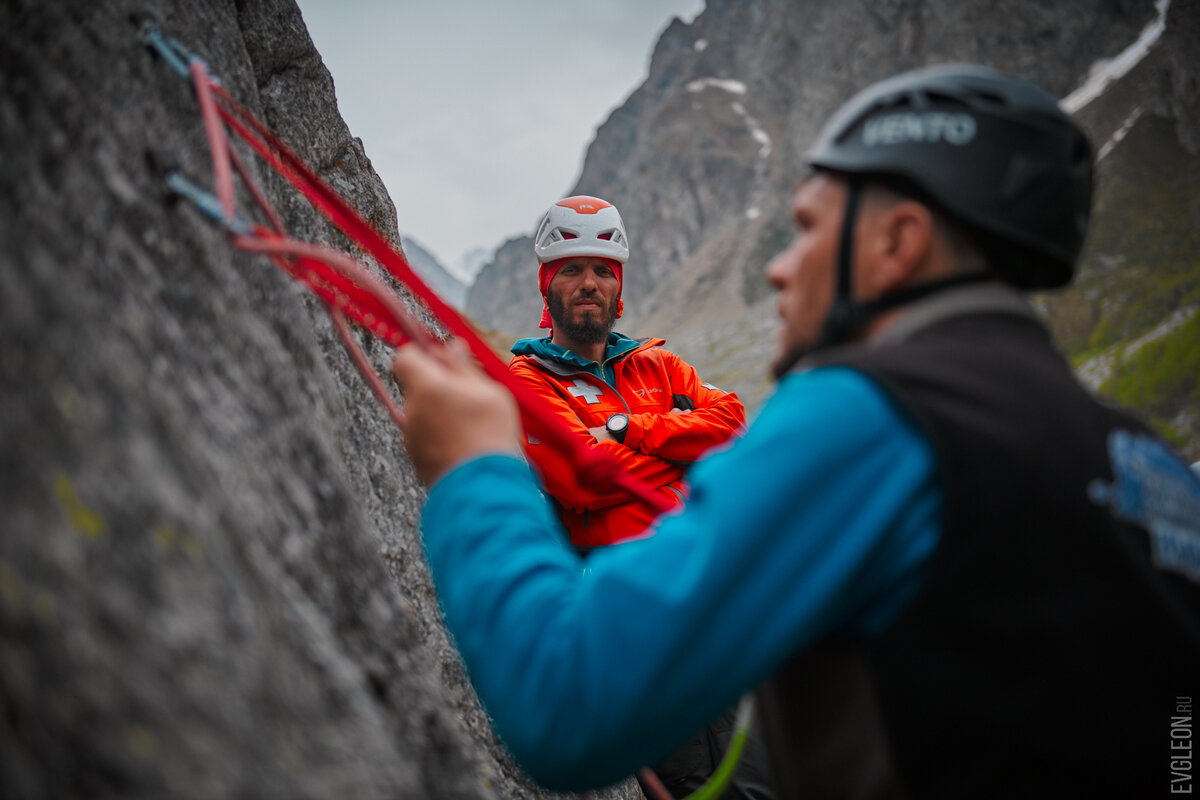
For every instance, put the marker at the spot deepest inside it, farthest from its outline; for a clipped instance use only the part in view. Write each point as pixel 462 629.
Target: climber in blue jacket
pixel 944 568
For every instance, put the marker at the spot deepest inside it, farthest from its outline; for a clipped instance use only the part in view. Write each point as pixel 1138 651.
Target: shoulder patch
pixel 1154 489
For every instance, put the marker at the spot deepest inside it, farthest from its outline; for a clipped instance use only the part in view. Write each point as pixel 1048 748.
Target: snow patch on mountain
pixel 724 84
pixel 1120 133
pixel 756 130
pixel 1104 72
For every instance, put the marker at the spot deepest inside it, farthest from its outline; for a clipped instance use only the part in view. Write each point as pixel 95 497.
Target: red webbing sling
pixel 352 290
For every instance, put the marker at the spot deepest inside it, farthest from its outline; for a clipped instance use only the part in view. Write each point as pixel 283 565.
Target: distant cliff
pixel 448 287
pixel 701 158
pixel 211 584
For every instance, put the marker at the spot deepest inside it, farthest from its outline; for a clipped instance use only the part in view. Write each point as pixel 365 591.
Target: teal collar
pixel 617 347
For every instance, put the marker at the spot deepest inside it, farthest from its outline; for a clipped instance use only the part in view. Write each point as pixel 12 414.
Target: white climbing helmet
pixel 581 226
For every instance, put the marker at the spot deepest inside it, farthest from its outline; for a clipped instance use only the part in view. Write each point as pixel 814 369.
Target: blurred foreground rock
pixel 210 579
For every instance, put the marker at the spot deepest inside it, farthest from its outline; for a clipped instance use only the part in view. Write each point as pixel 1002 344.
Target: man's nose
pixel 783 266
pixel 777 270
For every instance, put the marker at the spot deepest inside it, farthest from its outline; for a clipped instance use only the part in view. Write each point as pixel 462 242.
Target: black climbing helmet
pixel 994 152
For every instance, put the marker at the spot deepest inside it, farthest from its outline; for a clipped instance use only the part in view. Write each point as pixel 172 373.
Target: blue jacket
pixel 815 526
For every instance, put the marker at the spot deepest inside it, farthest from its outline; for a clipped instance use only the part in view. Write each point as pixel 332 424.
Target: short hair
pixel 970 246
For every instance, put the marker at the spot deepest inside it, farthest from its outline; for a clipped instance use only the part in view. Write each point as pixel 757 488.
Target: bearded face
pixel 583 299
pixel 584 323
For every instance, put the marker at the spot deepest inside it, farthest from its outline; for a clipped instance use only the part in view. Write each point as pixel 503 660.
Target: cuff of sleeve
pixel 460 477
pixel 633 434
pixel 463 481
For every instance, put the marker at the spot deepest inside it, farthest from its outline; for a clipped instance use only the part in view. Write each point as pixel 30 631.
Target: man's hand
pixel 453 412
pixel 601 433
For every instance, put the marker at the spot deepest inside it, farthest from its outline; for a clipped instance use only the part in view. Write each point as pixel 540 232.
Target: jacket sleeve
pixel 817 523
pixel 716 417
pixel 557 469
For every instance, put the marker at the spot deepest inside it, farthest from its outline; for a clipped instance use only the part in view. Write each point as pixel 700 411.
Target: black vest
pixel 1055 634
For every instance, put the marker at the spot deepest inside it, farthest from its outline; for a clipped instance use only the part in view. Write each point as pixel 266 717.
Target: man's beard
pixel 791 355
pixel 592 329
pixel 788 359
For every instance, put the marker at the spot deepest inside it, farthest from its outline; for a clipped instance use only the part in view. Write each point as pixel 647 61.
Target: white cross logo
pixel 587 391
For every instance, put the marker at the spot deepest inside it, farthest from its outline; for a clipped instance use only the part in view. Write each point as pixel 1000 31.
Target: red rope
pixel 651 782
pixel 343 283
pixel 350 289
pixel 307 269
pixel 364 366
pixel 218 144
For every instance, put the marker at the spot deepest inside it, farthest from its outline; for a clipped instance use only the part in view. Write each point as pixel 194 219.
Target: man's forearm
pixel 686 437
pixel 562 479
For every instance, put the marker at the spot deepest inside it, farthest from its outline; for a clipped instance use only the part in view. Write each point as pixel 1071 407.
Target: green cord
pixel 718 782
pixel 715 786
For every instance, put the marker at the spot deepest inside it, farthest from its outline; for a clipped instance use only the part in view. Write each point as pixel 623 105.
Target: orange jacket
pixel 646 382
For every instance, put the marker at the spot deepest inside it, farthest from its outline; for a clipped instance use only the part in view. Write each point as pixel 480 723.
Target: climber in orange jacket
pixel 642 402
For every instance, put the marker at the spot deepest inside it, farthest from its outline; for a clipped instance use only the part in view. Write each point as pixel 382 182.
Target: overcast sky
pixel 477 113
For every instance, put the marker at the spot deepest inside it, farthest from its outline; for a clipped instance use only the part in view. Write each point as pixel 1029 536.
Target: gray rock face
pixel 210 579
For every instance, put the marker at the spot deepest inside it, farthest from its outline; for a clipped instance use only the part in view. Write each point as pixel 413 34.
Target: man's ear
pixel 897 247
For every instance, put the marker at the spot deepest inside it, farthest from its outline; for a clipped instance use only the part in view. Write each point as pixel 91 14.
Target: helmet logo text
pixel 928 126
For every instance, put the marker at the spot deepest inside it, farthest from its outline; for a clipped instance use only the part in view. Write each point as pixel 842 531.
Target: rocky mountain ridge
pixel 700 160
pixel 448 287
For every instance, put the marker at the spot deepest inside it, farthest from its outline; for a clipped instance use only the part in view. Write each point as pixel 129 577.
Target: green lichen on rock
pixel 1161 377
pixel 1140 267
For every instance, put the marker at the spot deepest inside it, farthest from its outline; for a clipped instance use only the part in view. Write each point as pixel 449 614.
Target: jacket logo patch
pixel 589 392
pixel 1153 489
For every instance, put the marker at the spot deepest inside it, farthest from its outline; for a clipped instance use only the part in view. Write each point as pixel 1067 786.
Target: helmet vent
pixel 946 100
pixel 568 234
pixel 982 97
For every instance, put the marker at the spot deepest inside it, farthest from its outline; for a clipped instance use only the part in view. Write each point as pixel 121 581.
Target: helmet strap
pixel 842 322
pixel 847 318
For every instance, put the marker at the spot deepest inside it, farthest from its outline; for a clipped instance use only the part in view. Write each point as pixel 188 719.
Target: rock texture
pixel 701 158
pixel 210 579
